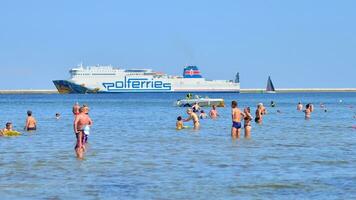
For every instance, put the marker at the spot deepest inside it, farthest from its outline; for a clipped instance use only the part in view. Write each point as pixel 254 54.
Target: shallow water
pixel 136 153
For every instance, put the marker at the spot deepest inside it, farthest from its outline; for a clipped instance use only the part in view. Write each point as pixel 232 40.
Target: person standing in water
pixel 75 109
pixel 236 116
pixel 247 122
pixel 213 112
pixel 300 106
pixel 259 114
pixel 81 123
pixel 192 116
pixel 308 110
pixel 31 123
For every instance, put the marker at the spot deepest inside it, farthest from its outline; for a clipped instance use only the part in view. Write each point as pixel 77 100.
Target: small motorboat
pixel 203 102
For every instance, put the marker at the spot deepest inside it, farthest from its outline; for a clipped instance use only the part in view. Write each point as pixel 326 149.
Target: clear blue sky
pixel 304 43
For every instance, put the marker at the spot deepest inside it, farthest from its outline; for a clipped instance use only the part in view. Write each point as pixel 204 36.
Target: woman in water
pixel 259 114
pixel 247 122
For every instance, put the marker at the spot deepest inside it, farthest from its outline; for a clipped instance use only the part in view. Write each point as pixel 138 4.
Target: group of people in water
pixel 195 113
pixel 82 121
pixel 81 125
pixel 30 125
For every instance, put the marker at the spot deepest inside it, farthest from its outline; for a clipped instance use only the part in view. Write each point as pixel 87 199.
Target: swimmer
pixel 75 109
pixel 179 123
pixel 81 124
pixel 247 122
pixel 259 114
pixel 213 112
pixel 273 104
pixel 31 123
pixel 236 116
pixel 300 106
pixel 8 127
pixel 58 116
pixel 278 111
pixel 194 117
pixel 203 115
pixel 307 111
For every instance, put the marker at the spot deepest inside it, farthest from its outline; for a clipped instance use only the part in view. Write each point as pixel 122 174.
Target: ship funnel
pixel 191 72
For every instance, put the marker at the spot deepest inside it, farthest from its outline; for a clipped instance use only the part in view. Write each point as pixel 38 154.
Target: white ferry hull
pixel 108 80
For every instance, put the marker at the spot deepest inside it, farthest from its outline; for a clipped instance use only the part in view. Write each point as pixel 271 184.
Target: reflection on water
pixel 136 153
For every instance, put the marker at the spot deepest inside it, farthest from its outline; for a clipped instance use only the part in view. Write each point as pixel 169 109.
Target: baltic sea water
pixel 136 153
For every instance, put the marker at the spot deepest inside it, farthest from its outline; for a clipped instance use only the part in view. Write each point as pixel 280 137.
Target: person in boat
pixel 247 122
pixel 8 127
pixel 81 123
pixel 192 116
pixel 75 109
pixel 259 114
pixel 203 115
pixel 308 111
pixel 196 107
pixel 236 116
pixel 31 123
pixel 273 104
pixel 189 96
pixel 213 112
pixel 300 106
pixel 179 123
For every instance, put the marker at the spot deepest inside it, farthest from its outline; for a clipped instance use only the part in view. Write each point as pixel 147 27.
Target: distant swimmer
pixel 213 112
pixel 31 123
pixel 279 111
pixel 203 115
pixel 259 114
pixel 179 123
pixel 81 126
pixel 236 116
pixel 300 106
pixel 308 111
pixel 76 108
pixel 273 104
pixel 194 117
pixel 58 116
pixel 247 122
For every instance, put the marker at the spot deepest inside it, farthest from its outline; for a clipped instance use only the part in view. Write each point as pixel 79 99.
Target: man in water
pixel 308 110
pixel 300 106
pixel 213 112
pixel 31 123
pixel 194 117
pixel 76 108
pixel 81 122
pixel 236 116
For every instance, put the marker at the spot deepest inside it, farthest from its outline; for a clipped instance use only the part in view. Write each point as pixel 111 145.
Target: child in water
pixel 8 127
pixel 203 115
pixel 179 124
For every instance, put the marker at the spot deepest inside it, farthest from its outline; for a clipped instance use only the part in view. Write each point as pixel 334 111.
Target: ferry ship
pixel 108 79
